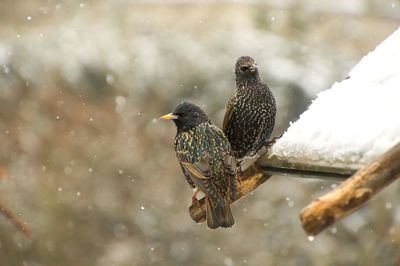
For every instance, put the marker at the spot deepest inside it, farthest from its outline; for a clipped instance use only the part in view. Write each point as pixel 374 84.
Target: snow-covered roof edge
pixel 355 120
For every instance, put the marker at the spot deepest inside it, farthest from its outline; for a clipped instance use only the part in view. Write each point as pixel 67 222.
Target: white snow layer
pixel 356 120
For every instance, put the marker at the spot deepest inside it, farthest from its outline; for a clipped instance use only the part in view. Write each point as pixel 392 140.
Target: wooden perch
pixel 21 226
pixel 265 167
pixel 352 193
pixel 249 180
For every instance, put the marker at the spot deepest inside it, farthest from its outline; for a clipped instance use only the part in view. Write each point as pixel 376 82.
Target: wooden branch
pixel 21 226
pixel 249 180
pixel 352 193
pixel 268 165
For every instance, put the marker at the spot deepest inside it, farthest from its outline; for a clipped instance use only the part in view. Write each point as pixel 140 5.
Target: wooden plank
pixel 304 166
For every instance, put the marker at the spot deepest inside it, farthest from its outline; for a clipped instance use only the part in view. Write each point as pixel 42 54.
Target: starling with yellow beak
pixel 207 162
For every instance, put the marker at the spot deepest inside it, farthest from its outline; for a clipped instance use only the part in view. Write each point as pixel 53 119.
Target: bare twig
pixel 352 193
pixel 21 226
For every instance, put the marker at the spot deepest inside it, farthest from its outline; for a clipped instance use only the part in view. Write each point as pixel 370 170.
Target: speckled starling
pixel 250 116
pixel 207 162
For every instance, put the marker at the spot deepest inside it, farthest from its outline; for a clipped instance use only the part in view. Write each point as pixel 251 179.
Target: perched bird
pixel 250 115
pixel 207 162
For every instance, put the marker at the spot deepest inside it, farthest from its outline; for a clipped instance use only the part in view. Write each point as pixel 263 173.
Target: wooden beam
pixel 300 167
pixel 352 193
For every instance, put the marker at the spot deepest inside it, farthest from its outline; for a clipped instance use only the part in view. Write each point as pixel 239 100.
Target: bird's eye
pixel 244 68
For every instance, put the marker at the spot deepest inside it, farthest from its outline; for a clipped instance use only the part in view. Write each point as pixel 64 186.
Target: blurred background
pixel 88 166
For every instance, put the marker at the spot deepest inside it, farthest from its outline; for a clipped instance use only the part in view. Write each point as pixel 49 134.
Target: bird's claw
pixel 272 141
pixel 195 201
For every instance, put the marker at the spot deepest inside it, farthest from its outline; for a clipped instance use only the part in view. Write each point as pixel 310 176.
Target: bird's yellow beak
pixel 169 116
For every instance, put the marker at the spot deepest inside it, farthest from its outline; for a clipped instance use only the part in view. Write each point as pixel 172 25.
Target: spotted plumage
pixel 207 162
pixel 250 115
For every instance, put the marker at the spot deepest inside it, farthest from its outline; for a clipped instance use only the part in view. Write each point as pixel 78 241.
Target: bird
pixel 206 160
pixel 250 114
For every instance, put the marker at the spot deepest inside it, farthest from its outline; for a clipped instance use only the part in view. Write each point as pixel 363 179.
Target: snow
pixel 356 120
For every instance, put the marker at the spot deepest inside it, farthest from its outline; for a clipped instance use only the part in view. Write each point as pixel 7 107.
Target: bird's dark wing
pixel 187 176
pixel 200 173
pixel 228 114
pixel 230 168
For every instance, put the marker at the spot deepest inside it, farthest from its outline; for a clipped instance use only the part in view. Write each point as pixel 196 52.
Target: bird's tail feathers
pixel 218 214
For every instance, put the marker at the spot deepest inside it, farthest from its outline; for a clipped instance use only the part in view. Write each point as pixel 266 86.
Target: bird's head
pixel 186 116
pixel 246 68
